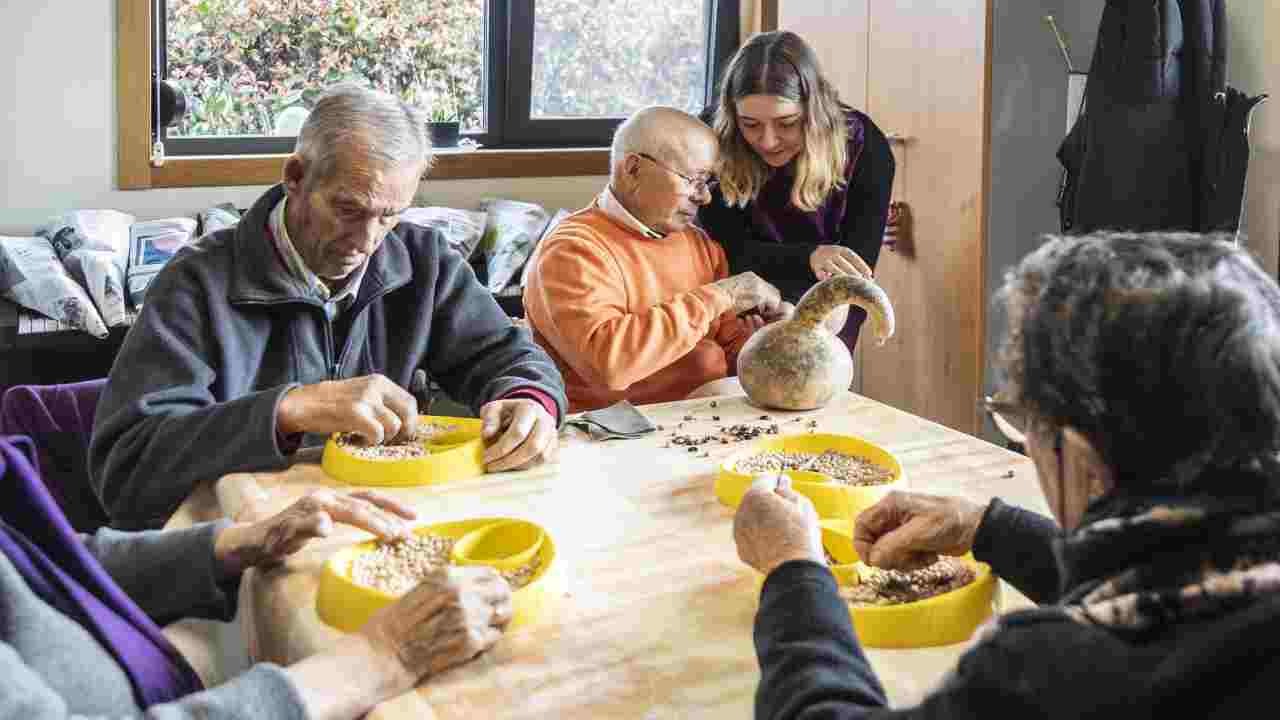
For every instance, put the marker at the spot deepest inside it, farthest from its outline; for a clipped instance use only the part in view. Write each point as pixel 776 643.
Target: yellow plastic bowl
pixel 830 499
pixel 347 606
pixel 455 455
pixel 940 620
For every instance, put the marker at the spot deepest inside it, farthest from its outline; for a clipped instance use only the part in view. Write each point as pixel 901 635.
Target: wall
pixel 1252 63
pixel 58 145
pixel 1028 121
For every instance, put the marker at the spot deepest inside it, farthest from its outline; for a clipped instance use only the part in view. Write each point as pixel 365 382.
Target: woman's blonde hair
pixel 780 63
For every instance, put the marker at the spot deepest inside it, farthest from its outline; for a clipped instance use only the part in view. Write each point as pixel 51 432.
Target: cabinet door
pixel 927 80
pixel 837 32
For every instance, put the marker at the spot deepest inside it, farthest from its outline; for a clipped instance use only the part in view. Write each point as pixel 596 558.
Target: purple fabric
pixel 777 219
pixel 41 544
pixel 60 420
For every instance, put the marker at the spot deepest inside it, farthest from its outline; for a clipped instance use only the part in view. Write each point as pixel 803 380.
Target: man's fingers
pixel 491 417
pixel 404 406
pixel 390 422
pixel 522 424
pixel 530 447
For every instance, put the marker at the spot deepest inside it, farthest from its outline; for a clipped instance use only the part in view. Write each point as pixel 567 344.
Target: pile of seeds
pixel 842 468
pixel 397 566
pixel 411 446
pixel 894 587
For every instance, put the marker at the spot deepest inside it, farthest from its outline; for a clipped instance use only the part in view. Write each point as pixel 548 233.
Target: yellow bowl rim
pixel 331 566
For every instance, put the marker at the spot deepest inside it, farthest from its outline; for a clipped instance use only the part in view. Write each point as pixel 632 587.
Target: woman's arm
pixel 870 189
pixel 170 574
pixel 265 691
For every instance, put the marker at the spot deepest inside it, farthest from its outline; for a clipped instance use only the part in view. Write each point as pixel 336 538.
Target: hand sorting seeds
pixel 894 587
pixel 410 446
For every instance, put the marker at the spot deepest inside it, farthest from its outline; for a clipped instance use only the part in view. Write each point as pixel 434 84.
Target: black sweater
pixel 786 264
pixel 1039 664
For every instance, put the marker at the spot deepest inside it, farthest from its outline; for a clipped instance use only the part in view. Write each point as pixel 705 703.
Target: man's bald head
pixel 662 160
pixel 663 132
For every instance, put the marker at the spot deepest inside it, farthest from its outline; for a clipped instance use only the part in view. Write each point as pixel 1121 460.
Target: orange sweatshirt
pixel 626 316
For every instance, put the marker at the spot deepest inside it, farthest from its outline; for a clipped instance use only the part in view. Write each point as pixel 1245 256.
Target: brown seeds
pixel 395 567
pixel 892 587
pixel 842 468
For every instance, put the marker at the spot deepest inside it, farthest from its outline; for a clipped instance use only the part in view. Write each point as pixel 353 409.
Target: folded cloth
pixel 620 420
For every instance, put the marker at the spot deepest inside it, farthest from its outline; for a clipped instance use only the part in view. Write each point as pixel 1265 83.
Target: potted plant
pixel 443 125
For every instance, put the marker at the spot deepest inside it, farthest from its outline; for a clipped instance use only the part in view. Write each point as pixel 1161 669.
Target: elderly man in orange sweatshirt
pixel 632 300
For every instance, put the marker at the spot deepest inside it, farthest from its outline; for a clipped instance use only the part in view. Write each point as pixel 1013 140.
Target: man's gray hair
pixel 1162 348
pixel 649 131
pixel 349 116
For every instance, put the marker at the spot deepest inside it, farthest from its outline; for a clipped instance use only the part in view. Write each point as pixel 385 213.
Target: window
pixel 513 73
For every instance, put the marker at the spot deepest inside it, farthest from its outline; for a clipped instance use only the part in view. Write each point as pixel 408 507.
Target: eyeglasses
pixel 1012 420
pixel 698 185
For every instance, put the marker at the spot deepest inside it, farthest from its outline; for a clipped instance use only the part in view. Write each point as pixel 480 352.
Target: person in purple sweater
pixel 1144 372
pixel 805 180
pixel 80 615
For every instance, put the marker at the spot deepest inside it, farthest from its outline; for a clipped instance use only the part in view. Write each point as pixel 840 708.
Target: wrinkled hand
pixel 750 292
pixel 829 260
pixel 372 406
pixel 775 524
pixel 784 311
pixel 269 541
pixel 452 616
pixel 518 434
pixel 907 531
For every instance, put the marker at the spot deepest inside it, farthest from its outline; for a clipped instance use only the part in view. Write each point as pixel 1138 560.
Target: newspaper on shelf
pixel 151 244
pixel 32 276
pixel 561 214
pixel 462 228
pixel 512 231
pixel 94 247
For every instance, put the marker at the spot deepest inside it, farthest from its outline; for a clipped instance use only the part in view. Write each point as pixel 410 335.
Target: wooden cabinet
pixel 921 70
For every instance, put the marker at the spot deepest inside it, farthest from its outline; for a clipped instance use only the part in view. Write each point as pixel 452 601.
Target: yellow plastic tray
pixel 830 499
pixel 455 455
pixel 940 620
pixel 347 606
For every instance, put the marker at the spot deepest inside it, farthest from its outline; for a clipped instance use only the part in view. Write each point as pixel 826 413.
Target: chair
pixel 59 418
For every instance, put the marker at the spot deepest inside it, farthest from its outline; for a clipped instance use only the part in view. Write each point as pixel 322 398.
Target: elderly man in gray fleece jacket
pixel 309 318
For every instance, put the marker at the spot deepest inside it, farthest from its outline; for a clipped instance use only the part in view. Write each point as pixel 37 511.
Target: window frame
pixel 555 148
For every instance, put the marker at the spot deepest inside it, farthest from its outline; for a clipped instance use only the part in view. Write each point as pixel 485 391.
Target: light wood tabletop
pixel 657 612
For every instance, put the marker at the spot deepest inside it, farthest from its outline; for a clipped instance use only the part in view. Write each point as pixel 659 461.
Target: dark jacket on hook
pixel 1161 143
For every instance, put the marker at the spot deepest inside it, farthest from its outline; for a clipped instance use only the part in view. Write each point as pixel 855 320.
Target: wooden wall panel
pixel 928 79
pixel 837 32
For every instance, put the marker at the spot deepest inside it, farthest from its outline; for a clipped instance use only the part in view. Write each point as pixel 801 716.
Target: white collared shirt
pixel 614 208
pixel 301 274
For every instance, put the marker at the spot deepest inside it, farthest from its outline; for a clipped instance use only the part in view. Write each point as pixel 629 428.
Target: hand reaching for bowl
pixel 271 540
pixel 908 531
pixel 453 615
pixel 518 434
pixel 373 407
pixel 775 524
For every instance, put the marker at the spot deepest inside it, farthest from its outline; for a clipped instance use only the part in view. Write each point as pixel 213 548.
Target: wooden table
pixel 657 618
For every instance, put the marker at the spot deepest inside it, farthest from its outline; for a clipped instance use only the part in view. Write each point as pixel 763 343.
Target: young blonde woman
pixel 804 180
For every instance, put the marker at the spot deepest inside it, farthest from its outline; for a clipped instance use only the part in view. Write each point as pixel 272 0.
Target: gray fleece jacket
pixel 51 667
pixel 225 332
